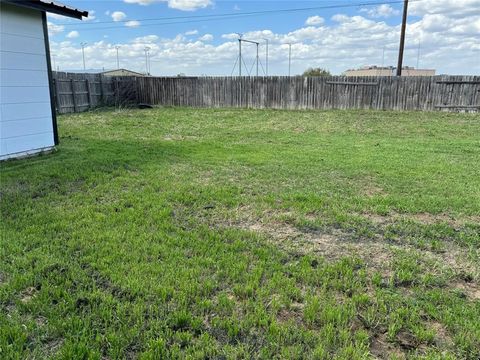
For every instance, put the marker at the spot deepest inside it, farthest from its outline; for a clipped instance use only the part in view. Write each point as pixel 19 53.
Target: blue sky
pixel 441 34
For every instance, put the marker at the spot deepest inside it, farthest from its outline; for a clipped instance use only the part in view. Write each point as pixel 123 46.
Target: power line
pixel 226 16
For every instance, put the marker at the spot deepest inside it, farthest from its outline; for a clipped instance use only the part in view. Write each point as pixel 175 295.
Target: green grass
pixel 233 234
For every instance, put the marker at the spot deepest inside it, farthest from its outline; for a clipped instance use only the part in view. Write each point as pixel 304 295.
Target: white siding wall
pixel 25 113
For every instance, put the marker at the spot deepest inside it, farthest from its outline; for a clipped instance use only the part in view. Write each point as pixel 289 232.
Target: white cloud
pixel 314 20
pixel 236 7
pixel 448 44
pixel 132 23
pixel 118 15
pixel 54 29
pixel 206 37
pixel 73 34
pixel 140 2
pixel 148 39
pixel 57 16
pixel 91 16
pixel 191 32
pixel 185 5
pixel 380 11
pixel 230 36
pixel 457 8
pixel 189 5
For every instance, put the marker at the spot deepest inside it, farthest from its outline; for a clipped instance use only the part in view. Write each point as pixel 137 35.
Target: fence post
pixel 57 90
pixel 102 99
pixel 89 94
pixel 117 99
pixel 137 93
pixel 55 93
pixel 74 95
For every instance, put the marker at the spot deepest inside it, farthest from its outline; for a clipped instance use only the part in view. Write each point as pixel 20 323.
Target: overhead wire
pixel 223 16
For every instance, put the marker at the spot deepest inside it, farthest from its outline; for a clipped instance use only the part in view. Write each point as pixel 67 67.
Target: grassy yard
pixel 234 234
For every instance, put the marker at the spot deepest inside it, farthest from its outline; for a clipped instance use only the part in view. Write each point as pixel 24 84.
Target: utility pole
pixel 289 57
pixel 83 53
pixel 402 38
pixel 118 61
pixel 266 57
pixel 146 59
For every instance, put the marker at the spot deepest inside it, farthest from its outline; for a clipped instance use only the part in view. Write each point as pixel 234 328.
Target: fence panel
pixel 79 92
pixel 76 92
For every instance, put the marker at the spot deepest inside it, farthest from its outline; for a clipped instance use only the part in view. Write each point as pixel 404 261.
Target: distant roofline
pixel 49 6
pixel 122 69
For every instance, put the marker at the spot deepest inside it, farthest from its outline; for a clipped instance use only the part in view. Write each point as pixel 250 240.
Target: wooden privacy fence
pixel 76 92
pixel 79 92
pixel 334 92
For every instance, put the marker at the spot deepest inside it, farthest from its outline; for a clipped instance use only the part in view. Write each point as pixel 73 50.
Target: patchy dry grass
pixel 186 233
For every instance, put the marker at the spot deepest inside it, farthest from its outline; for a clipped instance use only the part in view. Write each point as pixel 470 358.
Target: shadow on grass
pixel 80 166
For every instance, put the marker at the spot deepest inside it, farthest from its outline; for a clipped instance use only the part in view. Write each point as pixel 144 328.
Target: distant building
pixel 388 71
pixel 122 72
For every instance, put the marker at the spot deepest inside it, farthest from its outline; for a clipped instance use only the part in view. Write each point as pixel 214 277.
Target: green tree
pixel 316 72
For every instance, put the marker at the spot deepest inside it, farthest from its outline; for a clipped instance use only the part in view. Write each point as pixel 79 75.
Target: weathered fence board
pixel 79 92
pixel 278 92
pixel 395 93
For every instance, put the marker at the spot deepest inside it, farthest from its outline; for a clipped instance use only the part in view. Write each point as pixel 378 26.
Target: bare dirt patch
pixel 373 190
pixel 52 346
pixel 471 290
pixel 333 246
pixel 368 187
pixel 380 348
pixel 442 337
pixel 41 321
pixel 422 218
pixel 28 294
pixel 290 315
pixel 375 252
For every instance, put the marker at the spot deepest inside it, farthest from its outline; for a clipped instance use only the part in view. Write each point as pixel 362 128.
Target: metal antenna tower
pixel 83 44
pixel 240 40
pixel 266 57
pixel 118 61
pixel 146 60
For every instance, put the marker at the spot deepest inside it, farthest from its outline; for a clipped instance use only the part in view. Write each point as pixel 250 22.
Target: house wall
pixel 25 109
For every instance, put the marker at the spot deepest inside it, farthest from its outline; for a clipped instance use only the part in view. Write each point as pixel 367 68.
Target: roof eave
pixel 50 7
